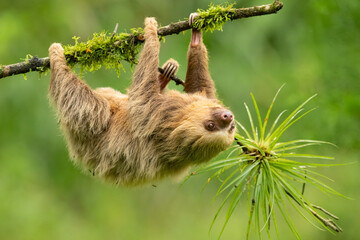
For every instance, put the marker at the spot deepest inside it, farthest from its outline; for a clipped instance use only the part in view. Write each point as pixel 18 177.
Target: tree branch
pixel 42 64
pixel 327 222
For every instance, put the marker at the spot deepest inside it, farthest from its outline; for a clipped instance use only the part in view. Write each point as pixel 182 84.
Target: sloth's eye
pixel 210 126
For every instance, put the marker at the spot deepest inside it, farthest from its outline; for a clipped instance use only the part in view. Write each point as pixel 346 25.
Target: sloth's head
pixel 205 129
pixel 220 120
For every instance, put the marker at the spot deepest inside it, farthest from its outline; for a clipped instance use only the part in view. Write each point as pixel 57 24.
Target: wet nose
pixel 226 117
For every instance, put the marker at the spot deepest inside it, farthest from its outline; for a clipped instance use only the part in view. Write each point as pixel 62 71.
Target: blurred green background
pixel 312 46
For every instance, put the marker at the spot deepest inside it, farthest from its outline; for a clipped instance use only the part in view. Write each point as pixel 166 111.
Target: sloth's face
pixel 221 120
pixel 218 128
pixel 206 128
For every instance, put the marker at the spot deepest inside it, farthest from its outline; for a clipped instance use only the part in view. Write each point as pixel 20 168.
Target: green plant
pixel 264 169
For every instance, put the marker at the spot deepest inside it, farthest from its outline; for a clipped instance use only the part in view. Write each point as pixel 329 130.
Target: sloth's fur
pixel 148 134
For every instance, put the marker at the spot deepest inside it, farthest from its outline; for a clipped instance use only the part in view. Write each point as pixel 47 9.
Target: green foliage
pixel 214 17
pixel 104 49
pixel 265 170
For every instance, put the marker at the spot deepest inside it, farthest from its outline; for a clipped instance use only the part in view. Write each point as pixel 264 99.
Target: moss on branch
pixel 110 50
pixel 105 50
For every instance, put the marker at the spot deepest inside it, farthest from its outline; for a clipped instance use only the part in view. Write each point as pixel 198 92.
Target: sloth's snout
pixel 227 117
pixel 224 118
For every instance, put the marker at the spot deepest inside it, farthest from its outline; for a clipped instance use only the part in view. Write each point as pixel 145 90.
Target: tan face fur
pixel 205 130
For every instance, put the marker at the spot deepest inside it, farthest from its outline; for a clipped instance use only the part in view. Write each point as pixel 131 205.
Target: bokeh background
pixel 313 46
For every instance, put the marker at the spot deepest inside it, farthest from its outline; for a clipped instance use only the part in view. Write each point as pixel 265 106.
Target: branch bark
pixel 41 64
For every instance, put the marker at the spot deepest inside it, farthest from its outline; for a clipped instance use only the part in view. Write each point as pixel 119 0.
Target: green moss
pixel 27 58
pixel 108 50
pixel 214 17
pixel 104 49
pixel 41 69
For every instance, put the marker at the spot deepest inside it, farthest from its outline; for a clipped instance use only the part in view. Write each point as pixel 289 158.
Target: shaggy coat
pixel 148 134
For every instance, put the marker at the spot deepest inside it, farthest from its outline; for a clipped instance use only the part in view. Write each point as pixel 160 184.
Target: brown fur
pixel 147 134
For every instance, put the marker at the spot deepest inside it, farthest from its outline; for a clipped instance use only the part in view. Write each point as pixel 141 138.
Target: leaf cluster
pixel 270 174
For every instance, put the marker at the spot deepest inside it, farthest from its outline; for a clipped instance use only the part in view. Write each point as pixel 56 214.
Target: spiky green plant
pixel 267 172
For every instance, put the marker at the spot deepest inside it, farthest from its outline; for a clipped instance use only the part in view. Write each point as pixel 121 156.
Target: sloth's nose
pixel 225 118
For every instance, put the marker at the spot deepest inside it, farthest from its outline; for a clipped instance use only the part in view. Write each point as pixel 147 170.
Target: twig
pixel 41 64
pixel 33 64
pixel 244 149
pixel 325 211
pixel 327 222
pixel 115 30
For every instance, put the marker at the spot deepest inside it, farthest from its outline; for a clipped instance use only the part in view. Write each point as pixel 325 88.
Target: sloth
pixel 149 133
